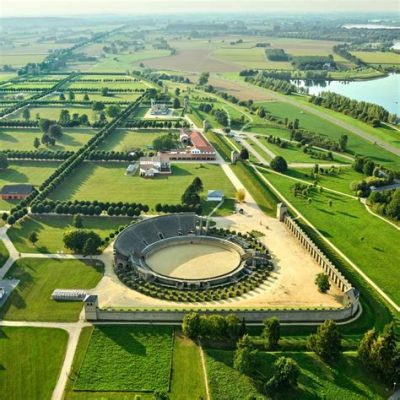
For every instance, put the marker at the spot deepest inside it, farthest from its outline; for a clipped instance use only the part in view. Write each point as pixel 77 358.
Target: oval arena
pixel 177 251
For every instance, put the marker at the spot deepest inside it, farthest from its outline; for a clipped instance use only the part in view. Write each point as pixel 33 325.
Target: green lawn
pixel 127 358
pixel 31 301
pixel 50 230
pixel 3 253
pixel 188 380
pixel 346 379
pixel 29 172
pixel 22 139
pixel 31 360
pixel 53 112
pixel 84 184
pixel 340 181
pixel 369 242
pixel 129 139
pixel 378 57
pixel 132 85
pixel 356 144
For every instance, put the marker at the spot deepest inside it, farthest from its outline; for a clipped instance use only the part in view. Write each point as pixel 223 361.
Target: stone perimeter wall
pixel 94 313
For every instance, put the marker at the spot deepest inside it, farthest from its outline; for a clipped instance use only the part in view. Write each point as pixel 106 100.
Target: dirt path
pixel 203 364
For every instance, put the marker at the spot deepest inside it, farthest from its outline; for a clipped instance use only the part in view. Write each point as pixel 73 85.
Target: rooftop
pixel 16 189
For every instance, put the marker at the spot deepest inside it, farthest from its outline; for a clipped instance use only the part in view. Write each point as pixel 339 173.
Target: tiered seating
pixel 187 223
pixel 167 226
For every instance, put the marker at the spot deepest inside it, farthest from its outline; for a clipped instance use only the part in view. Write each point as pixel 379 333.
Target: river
pixel 382 91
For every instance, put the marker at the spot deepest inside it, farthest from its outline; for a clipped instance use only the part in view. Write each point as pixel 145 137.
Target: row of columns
pixel 334 275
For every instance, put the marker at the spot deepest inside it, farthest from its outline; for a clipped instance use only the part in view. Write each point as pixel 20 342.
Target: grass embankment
pixel 31 360
pixel 344 379
pixel 31 301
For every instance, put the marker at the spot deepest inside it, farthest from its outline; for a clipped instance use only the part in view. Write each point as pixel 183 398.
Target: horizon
pixel 48 8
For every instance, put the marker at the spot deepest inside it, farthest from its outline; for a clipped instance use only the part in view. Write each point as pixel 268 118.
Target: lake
pixel 382 91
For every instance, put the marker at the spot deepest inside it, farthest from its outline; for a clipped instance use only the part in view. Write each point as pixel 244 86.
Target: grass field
pixel 3 253
pixel 367 240
pixel 30 301
pixel 16 60
pixel 53 112
pixel 31 360
pixel 98 97
pixel 377 57
pixel 129 139
pixel 127 358
pixel 29 172
pixel 356 144
pixel 50 230
pixel 110 85
pixel 346 379
pixel 84 184
pixel 188 379
pixel 22 139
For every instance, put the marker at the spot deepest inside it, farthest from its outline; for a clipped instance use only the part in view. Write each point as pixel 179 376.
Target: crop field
pixel 50 230
pixel 345 379
pixel 20 350
pixel 22 139
pixel 29 172
pixel 84 184
pixel 339 223
pixel 356 144
pixel 127 358
pixel 22 85
pixel 128 139
pixel 53 112
pixel 378 57
pixel 30 301
pixel 17 60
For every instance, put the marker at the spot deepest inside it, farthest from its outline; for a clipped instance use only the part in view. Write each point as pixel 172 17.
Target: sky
pixel 23 8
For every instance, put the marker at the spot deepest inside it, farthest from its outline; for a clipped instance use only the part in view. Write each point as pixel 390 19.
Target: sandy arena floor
pixel 193 261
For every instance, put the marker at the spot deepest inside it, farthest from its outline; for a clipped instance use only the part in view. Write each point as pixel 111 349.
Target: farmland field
pixel 22 139
pixel 31 301
pixel 31 360
pixel 50 230
pixel 377 57
pixel 127 358
pixel 96 96
pixel 84 184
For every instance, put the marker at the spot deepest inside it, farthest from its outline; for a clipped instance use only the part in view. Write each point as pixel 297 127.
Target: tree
pixel 65 118
pixel 71 95
pixel 343 142
pixel 244 154
pixel 326 342
pixel 33 237
pixel 161 395
pixel 271 333
pixel 381 354
pixel 3 161
pixel 191 325
pixel 90 247
pixel 203 78
pixel 104 91
pixel 368 168
pixel 26 114
pixel 44 124
pixel 176 103
pixel 98 106
pixel 244 359
pixel 279 164
pixel 76 239
pixel 55 131
pixel 322 282
pixel 177 92
pixel 77 221
pixel 286 373
pixel 197 184
pixel 36 143
pixel 86 97
pixel 261 112
pixel 232 326
pixel 113 110
pixel 240 195
pixel 62 97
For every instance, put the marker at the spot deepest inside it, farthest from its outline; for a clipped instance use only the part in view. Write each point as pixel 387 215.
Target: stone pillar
pixel 91 305
pixel 281 211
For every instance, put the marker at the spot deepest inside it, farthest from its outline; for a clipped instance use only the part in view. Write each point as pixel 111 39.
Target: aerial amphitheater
pixel 199 209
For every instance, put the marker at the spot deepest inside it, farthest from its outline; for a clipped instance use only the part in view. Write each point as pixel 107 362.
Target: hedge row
pixel 142 123
pixel 38 155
